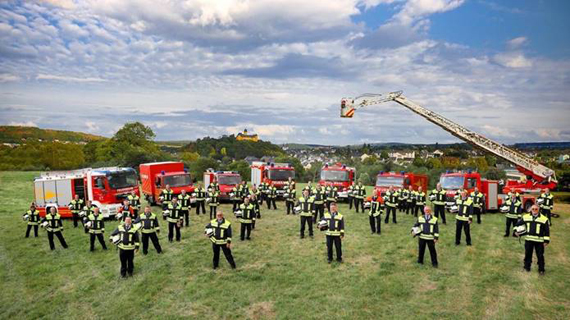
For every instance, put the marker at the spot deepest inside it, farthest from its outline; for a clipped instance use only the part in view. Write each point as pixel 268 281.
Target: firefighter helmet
pixel 323 225
pixel 540 201
pixel 119 216
pixel 26 217
pixel 297 209
pixel 505 209
pixel 416 231
pixel 44 224
pixel 88 224
pixel 454 209
pixel 209 232
pixel 116 239
pixel 367 205
pixel 238 213
pixel 82 214
pixel 165 213
pixel 520 229
pixel 432 197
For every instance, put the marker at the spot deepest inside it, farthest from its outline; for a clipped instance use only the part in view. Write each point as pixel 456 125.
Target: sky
pixel 196 68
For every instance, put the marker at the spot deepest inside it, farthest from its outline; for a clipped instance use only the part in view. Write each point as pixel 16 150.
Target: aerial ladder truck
pixel 538 176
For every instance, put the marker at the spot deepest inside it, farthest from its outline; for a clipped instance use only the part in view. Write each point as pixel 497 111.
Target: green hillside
pixel 16 134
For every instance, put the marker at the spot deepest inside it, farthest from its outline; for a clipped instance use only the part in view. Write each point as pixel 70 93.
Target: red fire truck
pixel 156 175
pixel 400 180
pixel 276 174
pixel 227 180
pixel 340 176
pixel 105 187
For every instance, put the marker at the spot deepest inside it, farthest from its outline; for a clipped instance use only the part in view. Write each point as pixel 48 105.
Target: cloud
pixel 5 77
pixel 498 132
pixel 67 78
pixel 92 126
pixel 23 124
pixel 513 60
pixel 516 43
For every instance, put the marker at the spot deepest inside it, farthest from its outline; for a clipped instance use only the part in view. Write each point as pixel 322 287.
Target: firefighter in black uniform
pixel 75 206
pixel 135 202
pixel 235 197
pixel 221 237
pixel 306 202
pixel 96 229
pixel 403 195
pixel 271 196
pixel 375 213
pixel 420 201
pixel 320 196
pixel 291 197
pixel 184 202
pixel 546 204
pixel 537 237
pixel 410 201
pixel 429 234
pixel 214 202
pixel 174 219
pixel 149 228
pixel 391 198
pixel 438 195
pixel 463 218
pixel 166 196
pixel 332 195
pixel 54 227
pixel 351 195
pixel 478 203
pixel 88 209
pixel 359 193
pixel 200 194
pixel 334 232
pixel 32 216
pixel 128 244
pixel 247 213
pixel 254 200
pixel 513 214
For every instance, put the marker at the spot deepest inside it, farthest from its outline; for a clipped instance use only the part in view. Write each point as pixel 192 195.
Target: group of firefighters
pixel 310 206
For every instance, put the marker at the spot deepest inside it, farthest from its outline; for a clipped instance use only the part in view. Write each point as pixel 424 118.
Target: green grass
pixel 279 275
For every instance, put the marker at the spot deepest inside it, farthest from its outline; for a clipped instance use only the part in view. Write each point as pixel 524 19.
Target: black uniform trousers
pixel 290 206
pixel 350 201
pixel 171 227
pixel 410 206
pixel 75 216
pixel 477 211
pixel 186 215
pixel 127 258
pixel 271 201
pixel 529 246
pixel 432 252
pixel 200 204
pixel 58 234
pixel 213 211
pixel 227 252
pixel 459 227
pixel 245 228
pixel 420 208
pixel 319 212
pixel 508 223
pixel 548 214
pixel 375 223
pixel 154 238
pixel 29 228
pixel 359 204
pixel 99 237
pixel 439 210
pixel 306 220
pixel 393 211
pixel 334 240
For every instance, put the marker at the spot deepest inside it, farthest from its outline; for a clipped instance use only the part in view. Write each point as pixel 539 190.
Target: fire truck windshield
pixel 179 180
pixel 334 175
pixel 451 182
pixel 390 181
pixel 281 175
pixel 229 180
pixel 122 179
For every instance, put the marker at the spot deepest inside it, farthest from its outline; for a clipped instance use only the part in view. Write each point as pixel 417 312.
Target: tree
pixel 133 145
pixel 189 156
pixel 242 167
pixel 198 167
pixel 364 177
pixel 495 174
pixel 384 155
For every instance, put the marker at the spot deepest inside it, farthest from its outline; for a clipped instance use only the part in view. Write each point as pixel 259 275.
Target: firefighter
pixel 166 196
pixel 128 244
pixel 332 195
pixel 335 232
pixel 221 238
pixel 289 184
pixel 200 194
pixel 184 202
pixel 420 201
pixel 428 236
pixel 96 229
pixel 54 227
pixel 126 210
pixel 403 199
pixel 174 219
pixel 359 193
pixel 547 204
pixel 309 187
pixel 235 197
pixel 263 192
pixel 513 215
pixel 411 200
pixel 463 218
pixel 375 213
pixel 244 191
pixel 214 185
pixel 150 228
pixel 391 198
pixel 32 216
pixel 291 198
pixel 478 203
pixel 439 202
pixel 247 213
pixel 214 197
pixel 75 206
pixel 306 202
pixel 537 237
pixel 351 195
pixel 254 200
pixel 319 195
pixel 88 209
pixel 135 202
pixel 271 196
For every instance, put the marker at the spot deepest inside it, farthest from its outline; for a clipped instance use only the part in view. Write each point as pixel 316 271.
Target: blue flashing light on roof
pixel 162 172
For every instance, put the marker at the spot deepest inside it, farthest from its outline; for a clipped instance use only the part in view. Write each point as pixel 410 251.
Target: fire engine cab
pixel 402 180
pixel 338 175
pixel 105 187
pixel 276 174
pixel 227 180
pixel 156 175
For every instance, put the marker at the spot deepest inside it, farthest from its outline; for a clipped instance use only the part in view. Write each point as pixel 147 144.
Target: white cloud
pixel 513 60
pixel 92 126
pixel 42 76
pixel 498 132
pixel 548 133
pixel 416 9
pixel 5 77
pixel 516 43
pixel 23 124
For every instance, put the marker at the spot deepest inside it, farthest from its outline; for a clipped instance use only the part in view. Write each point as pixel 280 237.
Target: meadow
pixel 279 275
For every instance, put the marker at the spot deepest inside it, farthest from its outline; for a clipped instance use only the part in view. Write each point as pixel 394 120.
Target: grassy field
pixel 279 275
